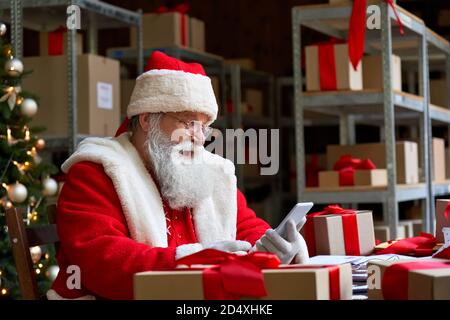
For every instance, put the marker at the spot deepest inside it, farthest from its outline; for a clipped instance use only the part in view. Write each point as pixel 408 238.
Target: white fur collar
pixel 214 218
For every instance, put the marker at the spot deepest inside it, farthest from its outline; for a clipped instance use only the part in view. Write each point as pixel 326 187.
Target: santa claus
pixel 152 194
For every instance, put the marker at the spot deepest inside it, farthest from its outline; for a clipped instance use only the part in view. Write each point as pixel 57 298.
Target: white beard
pixel 184 181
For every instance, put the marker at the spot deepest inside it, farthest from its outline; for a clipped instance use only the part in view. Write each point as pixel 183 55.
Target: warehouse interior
pixel 388 120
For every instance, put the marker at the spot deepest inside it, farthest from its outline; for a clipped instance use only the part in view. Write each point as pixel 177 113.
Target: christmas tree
pixel 24 177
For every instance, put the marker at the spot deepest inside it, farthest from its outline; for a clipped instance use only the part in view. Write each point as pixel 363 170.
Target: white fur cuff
pixel 187 249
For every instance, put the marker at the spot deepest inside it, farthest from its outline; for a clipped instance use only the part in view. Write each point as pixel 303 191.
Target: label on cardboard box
pixel 104 95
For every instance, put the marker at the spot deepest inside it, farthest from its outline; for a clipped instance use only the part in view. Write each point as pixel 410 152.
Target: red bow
pixel 232 276
pixel 357 30
pixel 346 165
pixel 420 246
pixel 395 279
pixel 350 227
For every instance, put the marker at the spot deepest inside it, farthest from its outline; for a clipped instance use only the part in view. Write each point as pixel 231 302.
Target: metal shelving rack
pixel 333 21
pixel 41 14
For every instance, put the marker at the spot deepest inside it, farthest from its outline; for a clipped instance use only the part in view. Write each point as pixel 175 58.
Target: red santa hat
pixel 171 85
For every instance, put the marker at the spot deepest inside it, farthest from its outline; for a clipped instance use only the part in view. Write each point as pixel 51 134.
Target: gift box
pixel 442 218
pixel 328 179
pixel 98 94
pixel 373 72
pixel 328 68
pixel 236 279
pixel 196 34
pixel 409 279
pixel 254 101
pixel 54 43
pixel 439 93
pixel 336 231
pixel 372 178
pixel 383 233
pixel 163 30
pixel 406 153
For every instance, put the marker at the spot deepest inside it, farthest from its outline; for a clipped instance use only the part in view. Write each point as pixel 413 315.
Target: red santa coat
pixel 109 243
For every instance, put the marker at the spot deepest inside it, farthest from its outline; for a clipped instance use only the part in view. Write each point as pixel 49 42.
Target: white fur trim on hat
pixel 172 91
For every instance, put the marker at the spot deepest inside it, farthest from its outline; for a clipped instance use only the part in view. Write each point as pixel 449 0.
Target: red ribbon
pixel 346 165
pixel 233 276
pixel 357 30
pixel 183 9
pixel 420 246
pixel 444 254
pixel 55 46
pixel 395 279
pixel 350 229
pixel 327 67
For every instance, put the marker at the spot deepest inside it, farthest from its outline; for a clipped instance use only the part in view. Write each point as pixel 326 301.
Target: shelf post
pixel 16 28
pixel 298 106
pixel 389 121
pixel 72 90
pixel 425 132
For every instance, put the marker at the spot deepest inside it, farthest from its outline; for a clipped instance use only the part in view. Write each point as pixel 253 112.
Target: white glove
pixel 233 246
pixel 187 249
pixel 291 249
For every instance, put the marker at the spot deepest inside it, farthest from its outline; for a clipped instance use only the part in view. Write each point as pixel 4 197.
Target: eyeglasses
pixel 193 126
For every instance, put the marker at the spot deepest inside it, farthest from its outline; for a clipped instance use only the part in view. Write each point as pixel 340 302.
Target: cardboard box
pixel 197 34
pixel 425 284
pixel 439 160
pixel 288 284
pixel 439 93
pixel 346 77
pixel 383 233
pixel 244 63
pixel 328 179
pixel 406 154
pixel 162 30
pixel 373 178
pixel 43 43
pixel 329 234
pixel 409 229
pixel 441 220
pixel 126 89
pixel 98 94
pixel 373 72
pixel 254 100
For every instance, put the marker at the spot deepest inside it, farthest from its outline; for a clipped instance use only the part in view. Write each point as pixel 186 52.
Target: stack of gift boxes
pixel 98 79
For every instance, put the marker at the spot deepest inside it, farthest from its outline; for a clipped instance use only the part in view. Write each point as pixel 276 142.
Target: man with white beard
pixel 152 194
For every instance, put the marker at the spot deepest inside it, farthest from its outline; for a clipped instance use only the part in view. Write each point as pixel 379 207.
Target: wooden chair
pixel 22 238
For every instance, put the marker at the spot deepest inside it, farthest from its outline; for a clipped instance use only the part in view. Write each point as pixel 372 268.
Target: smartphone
pixel 297 214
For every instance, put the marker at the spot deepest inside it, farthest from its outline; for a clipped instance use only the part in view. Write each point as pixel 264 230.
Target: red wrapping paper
pixel 56 42
pixel 350 226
